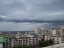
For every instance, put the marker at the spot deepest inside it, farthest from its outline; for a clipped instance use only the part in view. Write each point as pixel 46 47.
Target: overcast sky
pixel 26 15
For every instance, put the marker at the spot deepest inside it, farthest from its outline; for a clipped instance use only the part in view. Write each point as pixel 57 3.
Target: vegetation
pixel 15 47
pixel 44 43
pixel 51 42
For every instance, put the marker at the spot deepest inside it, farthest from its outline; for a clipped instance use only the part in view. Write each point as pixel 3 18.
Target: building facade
pixel 24 41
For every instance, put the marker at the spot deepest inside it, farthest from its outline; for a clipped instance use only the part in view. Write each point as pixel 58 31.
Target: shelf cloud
pixel 39 12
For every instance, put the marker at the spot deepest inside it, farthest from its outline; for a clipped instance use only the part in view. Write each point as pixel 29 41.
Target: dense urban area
pixel 41 37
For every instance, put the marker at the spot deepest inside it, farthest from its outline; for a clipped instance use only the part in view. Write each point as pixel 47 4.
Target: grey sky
pixel 20 15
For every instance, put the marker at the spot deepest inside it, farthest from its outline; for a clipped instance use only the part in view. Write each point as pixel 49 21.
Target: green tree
pixel 40 44
pixel 44 43
pixel 24 46
pixel 30 46
pixel 42 40
pixel 51 42
pixel 15 46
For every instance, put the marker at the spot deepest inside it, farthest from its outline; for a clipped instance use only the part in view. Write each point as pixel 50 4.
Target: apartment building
pixel 55 31
pixel 4 41
pixel 38 30
pixel 56 39
pixel 24 41
pixel 62 31
pixel 44 31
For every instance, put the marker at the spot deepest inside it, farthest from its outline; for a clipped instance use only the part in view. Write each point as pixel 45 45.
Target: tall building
pixel 56 31
pixel 37 30
pixel 18 35
pixel 62 31
pixel 44 31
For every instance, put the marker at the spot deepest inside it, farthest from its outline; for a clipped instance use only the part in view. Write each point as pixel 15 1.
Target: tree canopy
pixel 44 43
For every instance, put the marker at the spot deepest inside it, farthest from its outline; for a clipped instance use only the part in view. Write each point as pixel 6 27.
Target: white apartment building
pixel 56 39
pixel 44 31
pixel 62 31
pixel 38 30
pixel 55 31
pixel 24 41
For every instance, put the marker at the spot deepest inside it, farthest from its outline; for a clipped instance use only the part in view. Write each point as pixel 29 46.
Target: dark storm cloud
pixel 35 12
pixel 1 19
pixel 31 21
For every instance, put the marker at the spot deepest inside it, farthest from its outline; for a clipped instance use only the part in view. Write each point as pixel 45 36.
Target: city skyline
pixel 26 15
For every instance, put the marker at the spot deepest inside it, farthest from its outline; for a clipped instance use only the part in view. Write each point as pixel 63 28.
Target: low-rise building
pixel 4 41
